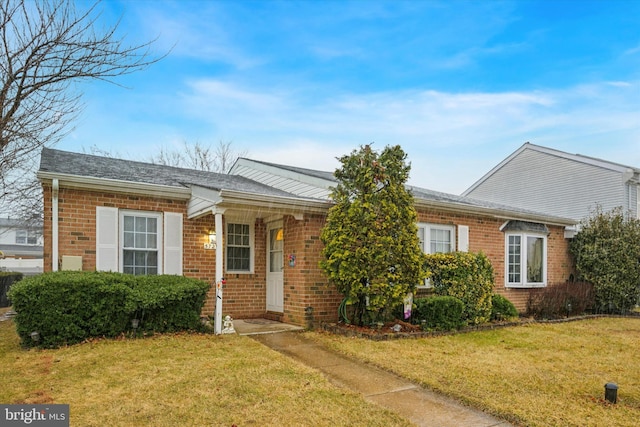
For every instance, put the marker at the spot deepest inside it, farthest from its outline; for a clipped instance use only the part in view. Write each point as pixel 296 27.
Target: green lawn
pixel 179 380
pixel 535 375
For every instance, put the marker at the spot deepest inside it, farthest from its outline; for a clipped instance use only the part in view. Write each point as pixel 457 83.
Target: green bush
pixel 69 307
pixel 502 308
pixel 443 313
pixel 165 304
pixel 466 276
pixel 606 251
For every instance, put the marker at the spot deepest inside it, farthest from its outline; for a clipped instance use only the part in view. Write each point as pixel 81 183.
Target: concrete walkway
pixel 420 406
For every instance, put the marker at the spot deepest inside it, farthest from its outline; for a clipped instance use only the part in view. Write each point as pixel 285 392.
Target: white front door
pixel 275 265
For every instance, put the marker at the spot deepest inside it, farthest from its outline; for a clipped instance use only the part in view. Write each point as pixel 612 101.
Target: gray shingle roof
pixel 86 165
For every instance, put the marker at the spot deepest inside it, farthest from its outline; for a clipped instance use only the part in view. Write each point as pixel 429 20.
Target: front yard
pixel 535 375
pixel 184 379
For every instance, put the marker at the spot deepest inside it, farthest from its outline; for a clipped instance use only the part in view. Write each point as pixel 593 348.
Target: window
pixel 435 238
pixel 239 247
pixel 526 256
pixel 140 242
pixel 24 237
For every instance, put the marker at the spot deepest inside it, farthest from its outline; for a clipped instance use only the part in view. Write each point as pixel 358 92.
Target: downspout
pixel 219 276
pixel 54 224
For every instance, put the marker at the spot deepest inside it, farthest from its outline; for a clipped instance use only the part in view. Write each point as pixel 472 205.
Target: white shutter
pixel 106 238
pixel 463 238
pixel 172 243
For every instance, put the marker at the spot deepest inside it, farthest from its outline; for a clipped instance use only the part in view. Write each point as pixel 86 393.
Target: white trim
pixel 55 250
pixel 463 238
pixel 173 236
pixel 252 246
pixel 426 241
pixel 106 238
pixel 523 260
pixel 159 229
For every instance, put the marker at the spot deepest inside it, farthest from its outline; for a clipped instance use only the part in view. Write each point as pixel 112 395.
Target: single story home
pixel 258 227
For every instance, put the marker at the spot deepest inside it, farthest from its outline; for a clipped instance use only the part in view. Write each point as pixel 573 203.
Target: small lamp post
pixel 35 336
pixel 611 392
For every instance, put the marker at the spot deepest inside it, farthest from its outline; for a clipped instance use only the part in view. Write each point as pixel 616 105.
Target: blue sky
pixel 459 85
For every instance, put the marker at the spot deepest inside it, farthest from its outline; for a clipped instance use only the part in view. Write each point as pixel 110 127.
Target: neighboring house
pixel 21 246
pixel 259 228
pixel 558 183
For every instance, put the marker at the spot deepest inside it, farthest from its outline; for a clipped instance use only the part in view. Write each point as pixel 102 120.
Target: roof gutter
pixel 282 202
pixel 496 213
pixel 115 185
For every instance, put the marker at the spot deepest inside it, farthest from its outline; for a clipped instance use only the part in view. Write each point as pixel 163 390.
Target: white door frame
pixel 275 268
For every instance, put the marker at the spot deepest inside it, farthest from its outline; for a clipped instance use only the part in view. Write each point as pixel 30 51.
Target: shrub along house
pixel 259 227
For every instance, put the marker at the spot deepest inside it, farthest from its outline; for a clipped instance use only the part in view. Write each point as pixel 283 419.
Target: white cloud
pixel 436 128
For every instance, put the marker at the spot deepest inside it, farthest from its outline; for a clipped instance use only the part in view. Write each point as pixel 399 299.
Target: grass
pixel 535 375
pixel 183 379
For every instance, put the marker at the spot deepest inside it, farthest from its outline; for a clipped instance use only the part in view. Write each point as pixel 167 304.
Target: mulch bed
pixel 399 329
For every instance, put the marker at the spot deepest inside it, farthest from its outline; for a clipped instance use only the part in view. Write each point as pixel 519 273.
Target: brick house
pixel 259 227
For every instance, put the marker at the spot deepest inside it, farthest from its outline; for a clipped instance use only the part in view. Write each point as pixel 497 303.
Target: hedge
pixel 69 307
pixel 466 276
pixel 443 313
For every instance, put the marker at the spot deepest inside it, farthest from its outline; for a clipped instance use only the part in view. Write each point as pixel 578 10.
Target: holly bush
pixel 467 276
pixel 607 254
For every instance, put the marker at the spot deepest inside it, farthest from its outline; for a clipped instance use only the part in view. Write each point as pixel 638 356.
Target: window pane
pixel 141 224
pixel 440 241
pixel 128 223
pixel 238 247
pixel 139 234
pixel 535 263
pixel 152 225
pixel 141 241
pixel 514 261
pixel 151 241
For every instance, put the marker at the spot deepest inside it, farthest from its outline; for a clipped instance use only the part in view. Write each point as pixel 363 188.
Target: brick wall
pixel 305 285
pixel 244 294
pixel 485 236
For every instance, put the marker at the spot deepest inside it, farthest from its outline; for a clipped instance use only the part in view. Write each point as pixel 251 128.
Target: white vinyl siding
pixel 526 260
pixel 551 184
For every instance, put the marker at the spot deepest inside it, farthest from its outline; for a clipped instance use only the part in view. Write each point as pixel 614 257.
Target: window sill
pixel 525 286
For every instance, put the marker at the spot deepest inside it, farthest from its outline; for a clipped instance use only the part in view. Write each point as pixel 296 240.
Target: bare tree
pixel 46 47
pixel 198 156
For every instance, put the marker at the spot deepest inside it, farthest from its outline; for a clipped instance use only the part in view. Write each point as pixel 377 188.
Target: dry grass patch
pixel 185 379
pixel 536 375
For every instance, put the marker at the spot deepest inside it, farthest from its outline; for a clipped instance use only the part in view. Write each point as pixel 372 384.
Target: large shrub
pixel 466 276
pixel 443 313
pixel 371 249
pixel 607 254
pixel 69 307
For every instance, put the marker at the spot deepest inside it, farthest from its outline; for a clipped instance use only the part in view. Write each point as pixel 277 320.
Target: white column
pixel 219 275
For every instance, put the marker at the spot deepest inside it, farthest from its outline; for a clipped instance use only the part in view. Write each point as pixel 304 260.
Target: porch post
pixel 219 276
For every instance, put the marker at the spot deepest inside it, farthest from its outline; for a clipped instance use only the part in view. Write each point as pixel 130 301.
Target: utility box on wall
pixel 71 263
